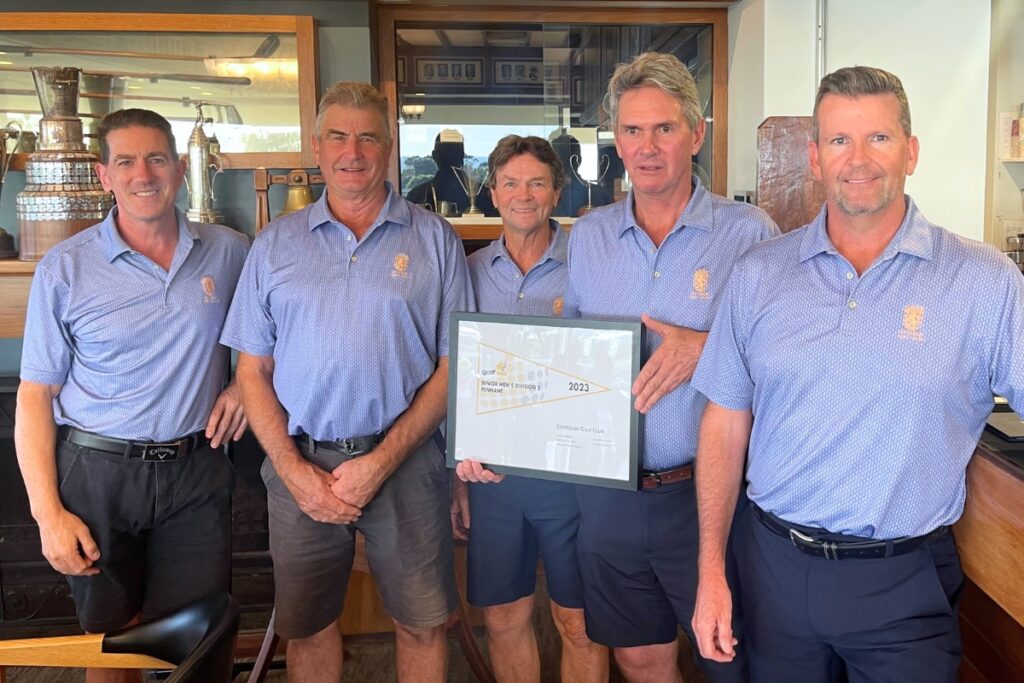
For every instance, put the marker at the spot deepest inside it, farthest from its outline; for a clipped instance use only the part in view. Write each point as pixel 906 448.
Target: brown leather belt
pixel 652 480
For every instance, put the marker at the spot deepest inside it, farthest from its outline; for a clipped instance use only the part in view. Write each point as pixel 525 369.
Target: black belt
pixel 357 446
pixel 150 452
pixel 652 480
pixel 845 550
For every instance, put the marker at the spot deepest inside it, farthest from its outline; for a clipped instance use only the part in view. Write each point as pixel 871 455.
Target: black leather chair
pixel 197 641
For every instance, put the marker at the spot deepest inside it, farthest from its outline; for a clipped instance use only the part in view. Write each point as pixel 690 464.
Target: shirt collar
pixel 914 236
pixel 556 250
pixel 114 245
pixel 699 211
pixel 395 210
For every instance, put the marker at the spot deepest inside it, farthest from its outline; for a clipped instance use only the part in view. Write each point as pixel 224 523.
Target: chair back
pixel 199 639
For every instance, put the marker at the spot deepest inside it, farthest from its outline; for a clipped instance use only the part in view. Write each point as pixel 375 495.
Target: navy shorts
pixel 408 535
pixel 887 619
pixel 512 522
pixel 163 529
pixel 638 563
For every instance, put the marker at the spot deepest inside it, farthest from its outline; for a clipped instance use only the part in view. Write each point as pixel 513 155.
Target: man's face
pixel 352 151
pixel 524 194
pixel 655 142
pixel 142 173
pixel 862 156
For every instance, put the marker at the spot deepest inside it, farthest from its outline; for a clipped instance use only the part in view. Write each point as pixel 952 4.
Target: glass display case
pixel 461 81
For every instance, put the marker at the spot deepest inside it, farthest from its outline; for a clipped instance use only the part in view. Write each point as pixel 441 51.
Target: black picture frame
pixel 582 441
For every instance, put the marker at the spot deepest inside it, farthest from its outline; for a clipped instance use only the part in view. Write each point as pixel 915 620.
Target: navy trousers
pixel 810 619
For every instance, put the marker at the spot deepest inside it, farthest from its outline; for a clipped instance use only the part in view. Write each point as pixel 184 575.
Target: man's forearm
pixel 255 378
pixel 417 423
pixel 35 439
pixel 721 451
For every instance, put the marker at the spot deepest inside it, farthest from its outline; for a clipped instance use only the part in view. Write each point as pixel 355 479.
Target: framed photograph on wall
pixel 400 71
pixel 448 71
pixel 518 72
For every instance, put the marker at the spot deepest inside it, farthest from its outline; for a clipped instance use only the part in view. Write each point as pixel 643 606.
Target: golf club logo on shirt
pixel 401 266
pixel 557 306
pixel 913 319
pixel 700 284
pixel 209 289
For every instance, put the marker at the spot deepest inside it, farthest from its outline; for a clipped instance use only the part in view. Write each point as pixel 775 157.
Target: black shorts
pixel 163 530
pixel 638 562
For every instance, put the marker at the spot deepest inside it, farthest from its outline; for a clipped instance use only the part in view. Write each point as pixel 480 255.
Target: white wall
pixel 939 49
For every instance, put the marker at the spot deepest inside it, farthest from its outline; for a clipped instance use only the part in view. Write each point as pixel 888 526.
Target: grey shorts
pixel 408 535
pixel 163 529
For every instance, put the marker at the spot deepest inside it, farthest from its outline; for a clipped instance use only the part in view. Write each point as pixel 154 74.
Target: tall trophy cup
pixel 11 131
pixel 62 195
pixel 472 189
pixel 574 165
pixel 200 182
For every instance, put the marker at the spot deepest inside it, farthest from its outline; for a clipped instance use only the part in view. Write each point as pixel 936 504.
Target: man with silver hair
pixel 662 255
pixel 858 356
pixel 341 321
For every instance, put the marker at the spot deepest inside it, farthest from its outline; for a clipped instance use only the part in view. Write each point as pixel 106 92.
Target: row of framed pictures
pixel 469 72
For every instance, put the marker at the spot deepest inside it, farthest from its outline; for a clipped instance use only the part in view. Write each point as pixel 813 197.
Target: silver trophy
pixel 472 189
pixel 11 131
pixel 199 181
pixel 62 195
pixel 575 165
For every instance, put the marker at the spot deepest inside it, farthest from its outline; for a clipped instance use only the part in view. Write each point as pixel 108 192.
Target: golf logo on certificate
pixel 545 397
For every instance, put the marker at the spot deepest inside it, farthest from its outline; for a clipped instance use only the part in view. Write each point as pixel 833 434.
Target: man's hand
pixel 671 365
pixel 227 419
pixel 712 619
pixel 68 545
pixel 311 488
pixel 471 470
pixel 460 509
pixel 357 481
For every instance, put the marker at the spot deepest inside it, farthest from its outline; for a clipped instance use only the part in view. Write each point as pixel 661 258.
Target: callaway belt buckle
pixel 161 452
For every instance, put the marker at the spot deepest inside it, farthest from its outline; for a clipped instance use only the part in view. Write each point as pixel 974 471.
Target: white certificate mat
pixel 545 397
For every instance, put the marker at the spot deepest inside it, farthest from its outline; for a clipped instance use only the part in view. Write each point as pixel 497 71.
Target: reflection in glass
pixel 248 81
pixel 547 80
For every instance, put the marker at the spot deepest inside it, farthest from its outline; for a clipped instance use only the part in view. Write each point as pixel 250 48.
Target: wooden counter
pixel 990 537
pixel 15 280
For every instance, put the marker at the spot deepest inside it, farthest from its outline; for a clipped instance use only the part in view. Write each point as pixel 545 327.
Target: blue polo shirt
pixel 133 347
pixel 500 287
pixel 355 327
pixel 616 273
pixel 868 392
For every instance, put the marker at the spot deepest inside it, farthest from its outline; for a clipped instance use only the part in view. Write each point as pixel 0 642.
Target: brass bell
pixel 299 193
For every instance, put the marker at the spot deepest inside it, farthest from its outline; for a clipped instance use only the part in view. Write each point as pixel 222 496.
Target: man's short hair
pixel 358 95
pixel 658 70
pixel 856 81
pixel 512 146
pixel 128 118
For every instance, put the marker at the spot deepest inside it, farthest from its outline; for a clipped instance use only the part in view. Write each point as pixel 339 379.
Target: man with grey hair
pixel 857 357
pixel 341 323
pixel 636 259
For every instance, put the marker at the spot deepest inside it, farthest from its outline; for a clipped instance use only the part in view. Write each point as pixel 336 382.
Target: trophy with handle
pixel 471 186
pixel 574 165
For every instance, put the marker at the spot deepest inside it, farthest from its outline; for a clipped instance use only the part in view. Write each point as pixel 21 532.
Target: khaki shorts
pixel 408 535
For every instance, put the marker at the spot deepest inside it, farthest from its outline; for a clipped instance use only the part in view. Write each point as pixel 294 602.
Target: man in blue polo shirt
pixel 121 409
pixel 341 321
pixel 514 518
pixel 662 255
pixel 859 356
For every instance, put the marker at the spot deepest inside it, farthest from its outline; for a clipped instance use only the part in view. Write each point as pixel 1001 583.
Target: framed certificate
pixel 545 397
